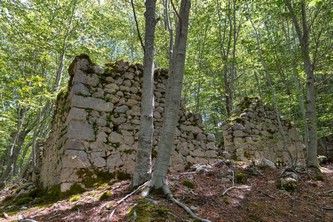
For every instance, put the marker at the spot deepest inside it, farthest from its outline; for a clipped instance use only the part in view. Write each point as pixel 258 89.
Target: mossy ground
pixel 146 211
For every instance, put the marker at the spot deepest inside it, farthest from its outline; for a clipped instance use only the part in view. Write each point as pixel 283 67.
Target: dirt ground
pixel 227 191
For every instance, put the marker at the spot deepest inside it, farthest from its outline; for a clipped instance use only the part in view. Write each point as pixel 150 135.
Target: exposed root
pixel 327 208
pixel 186 208
pixel 232 186
pixel 169 195
pixel 126 197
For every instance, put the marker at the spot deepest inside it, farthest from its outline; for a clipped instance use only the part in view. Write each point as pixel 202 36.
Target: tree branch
pixel 137 26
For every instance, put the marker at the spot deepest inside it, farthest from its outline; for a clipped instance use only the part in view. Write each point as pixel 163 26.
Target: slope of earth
pixel 227 191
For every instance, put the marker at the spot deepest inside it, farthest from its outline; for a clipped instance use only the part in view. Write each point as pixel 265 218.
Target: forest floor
pixel 207 191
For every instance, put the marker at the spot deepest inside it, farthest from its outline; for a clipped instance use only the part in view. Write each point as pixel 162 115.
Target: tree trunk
pixel 143 159
pixel 12 151
pixel 173 97
pixel 304 40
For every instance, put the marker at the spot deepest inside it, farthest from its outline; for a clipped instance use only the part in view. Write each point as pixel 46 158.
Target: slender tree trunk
pixel 20 164
pixel 258 83
pixel 303 32
pixel 63 50
pixel 173 96
pixel 224 52
pixel 143 159
pixel 16 140
pixel 169 28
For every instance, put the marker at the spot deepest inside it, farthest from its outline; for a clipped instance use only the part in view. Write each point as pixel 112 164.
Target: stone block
pixel 201 161
pixel 238 140
pixel 190 159
pixel 99 162
pixel 75 159
pixel 79 89
pixel 98 94
pixel 225 126
pixel 73 144
pixel 101 122
pixel 80 130
pixel 248 139
pixel 124 147
pixel 69 174
pixel 177 163
pixel 98 70
pixel 211 154
pixel 87 79
pixel 132 102
pixel 91 103
pixel 183 150
pixel 116 138
pixel 111 88
pixel 211 146
pixel 238 133
pixel 238 126
pixel 201 137
pixel 129 140
pixel 114 161
pixel 121 109
pixel 210 137
pixel 128 75
pixel 197 152
pixel 195 130
pixel 124 89
pixel 228 142
pixel 118 121
pixel 97 146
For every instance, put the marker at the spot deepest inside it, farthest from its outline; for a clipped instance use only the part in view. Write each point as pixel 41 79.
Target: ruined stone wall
pixel 252 134
pixel 325 147
pixel 96 126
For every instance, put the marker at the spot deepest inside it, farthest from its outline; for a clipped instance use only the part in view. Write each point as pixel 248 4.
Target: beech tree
pixel 303 34
pixel 145 141
pixel 172 100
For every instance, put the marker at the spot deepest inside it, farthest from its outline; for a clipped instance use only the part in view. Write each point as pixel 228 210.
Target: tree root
pixel 165 188
pixel 232 186
pixel 186 208
pixel 169 195
pixel 126 197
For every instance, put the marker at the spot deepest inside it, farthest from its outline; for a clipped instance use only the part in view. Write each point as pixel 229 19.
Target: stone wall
pixel 325 147
pixel 96 124
pixel 252 134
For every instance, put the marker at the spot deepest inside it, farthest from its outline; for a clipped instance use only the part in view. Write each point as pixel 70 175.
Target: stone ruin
pixel 325 147
pixel 252 134
pixel 96 123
